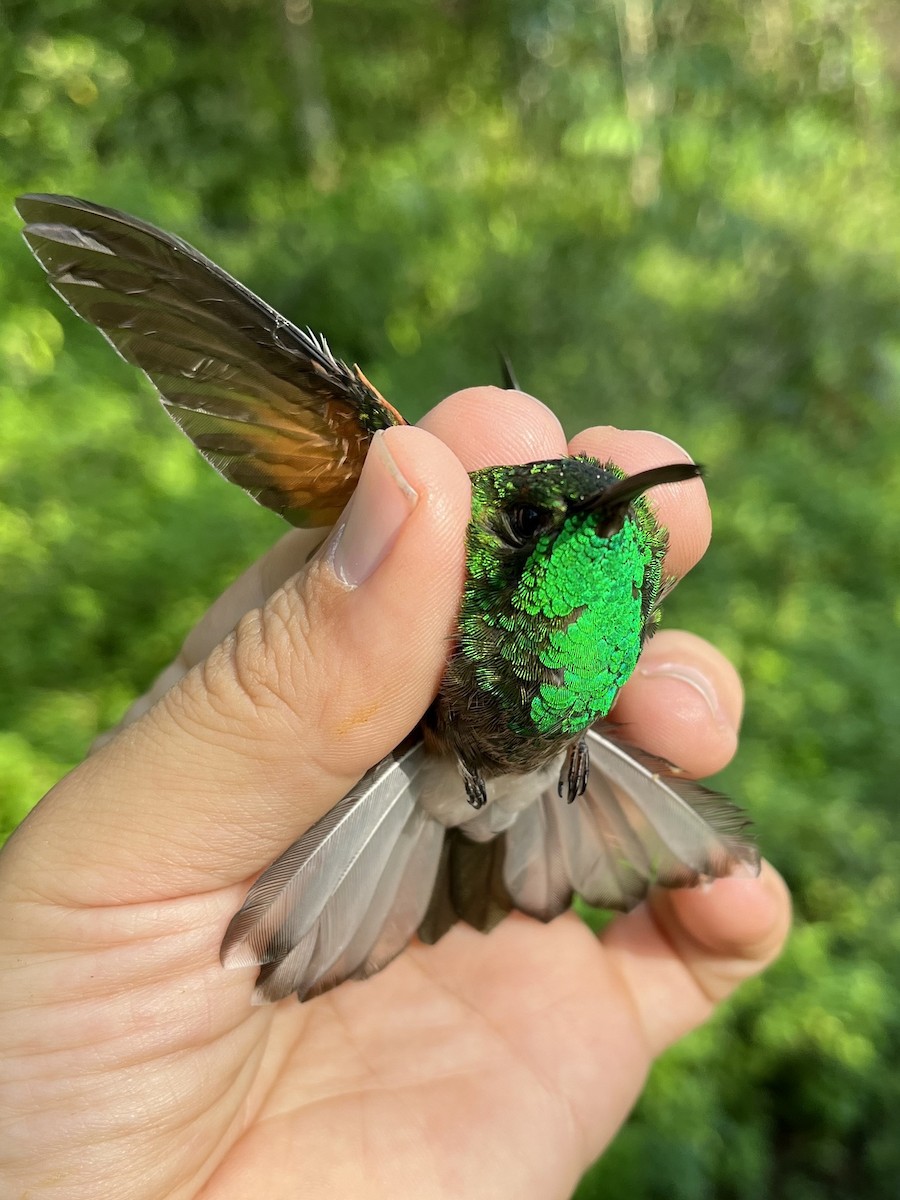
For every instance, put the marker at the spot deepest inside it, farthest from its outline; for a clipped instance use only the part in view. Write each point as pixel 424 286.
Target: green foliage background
pixel 674 215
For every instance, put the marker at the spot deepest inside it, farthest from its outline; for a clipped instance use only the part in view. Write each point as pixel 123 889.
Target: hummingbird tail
pixel 346 897
pixel 351 893
pixel 469 887
pixel 640 823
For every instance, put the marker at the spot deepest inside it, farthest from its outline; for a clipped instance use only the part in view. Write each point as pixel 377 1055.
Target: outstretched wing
pixel 348 896
pixel 265 402
pixel 641 822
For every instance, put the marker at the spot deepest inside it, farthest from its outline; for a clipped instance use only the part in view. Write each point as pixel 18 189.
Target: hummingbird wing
pixel 349 894
pixel 640 822
pixel 266 403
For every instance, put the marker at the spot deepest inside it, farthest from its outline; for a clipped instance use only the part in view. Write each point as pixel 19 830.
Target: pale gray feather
pixel 535 868
pixel 303 912
pixel 397 908
pixel 337 946
pixel 641 822
pixel 605 853
pixel 644 823
pixel 361 902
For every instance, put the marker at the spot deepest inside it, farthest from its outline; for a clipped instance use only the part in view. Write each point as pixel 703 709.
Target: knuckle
pixel 276 678
pixel 272 654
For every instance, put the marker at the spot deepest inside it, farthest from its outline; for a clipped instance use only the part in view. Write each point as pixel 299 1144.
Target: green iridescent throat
pixel 597 582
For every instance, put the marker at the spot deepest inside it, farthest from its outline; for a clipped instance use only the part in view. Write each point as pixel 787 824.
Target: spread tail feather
pixel 469 887
pixel 351 893
pixel 641 822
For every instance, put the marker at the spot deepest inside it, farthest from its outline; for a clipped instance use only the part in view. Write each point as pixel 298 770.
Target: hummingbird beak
pixel 619 495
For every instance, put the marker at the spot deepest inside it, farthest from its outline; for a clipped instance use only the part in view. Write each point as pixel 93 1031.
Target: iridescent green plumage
pixel 554 613
pixel 597 584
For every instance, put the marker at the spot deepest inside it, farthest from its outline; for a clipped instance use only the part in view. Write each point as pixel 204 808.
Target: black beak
pixel 619 495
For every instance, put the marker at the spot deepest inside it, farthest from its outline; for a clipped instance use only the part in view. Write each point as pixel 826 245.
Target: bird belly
pixel 443 796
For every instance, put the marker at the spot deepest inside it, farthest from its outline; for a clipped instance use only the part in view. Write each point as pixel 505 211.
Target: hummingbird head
pixel 564 578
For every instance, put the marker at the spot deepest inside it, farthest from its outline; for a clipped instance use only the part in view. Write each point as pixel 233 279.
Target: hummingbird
pixel 515 791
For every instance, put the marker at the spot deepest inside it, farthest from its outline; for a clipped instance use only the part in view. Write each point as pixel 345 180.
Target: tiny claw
pixel 476 792
pixel 574 775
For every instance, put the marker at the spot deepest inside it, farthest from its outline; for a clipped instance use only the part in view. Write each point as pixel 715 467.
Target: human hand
pixel 483 1066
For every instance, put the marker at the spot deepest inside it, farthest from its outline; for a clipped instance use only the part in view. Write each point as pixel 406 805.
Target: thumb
pixel 267 733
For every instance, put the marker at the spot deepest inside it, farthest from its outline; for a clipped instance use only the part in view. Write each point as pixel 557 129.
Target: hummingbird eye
pixel 525 523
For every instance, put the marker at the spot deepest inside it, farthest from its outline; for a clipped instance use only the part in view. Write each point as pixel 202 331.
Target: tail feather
pixel 354 889
pixel 536 869
pixel 607 857
pixel 320 899
pixel 646 823
pixel 396 909
pixel 470 887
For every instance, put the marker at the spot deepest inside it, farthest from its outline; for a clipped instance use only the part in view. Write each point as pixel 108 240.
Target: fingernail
pixel 373 519
pixel 695 679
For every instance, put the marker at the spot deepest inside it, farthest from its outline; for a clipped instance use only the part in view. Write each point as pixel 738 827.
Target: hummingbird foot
pixel 574 774
pixel 476 792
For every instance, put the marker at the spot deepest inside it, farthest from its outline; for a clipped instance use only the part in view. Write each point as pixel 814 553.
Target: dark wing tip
pixel 510 382
pixel 33 207
pixel 38 203
pixel 55 218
